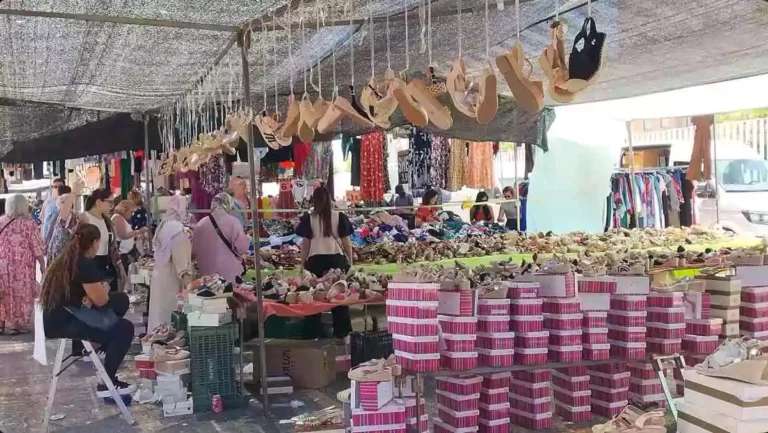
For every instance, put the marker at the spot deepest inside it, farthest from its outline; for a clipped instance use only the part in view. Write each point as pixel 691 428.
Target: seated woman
pixel 220 240
pixel 75 281
pixel 508 210
pixel 481 212
pixel 427 214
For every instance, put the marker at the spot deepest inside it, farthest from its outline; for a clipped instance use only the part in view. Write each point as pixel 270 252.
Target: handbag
pixel 226 242
pixel 103 319
pixel 585 62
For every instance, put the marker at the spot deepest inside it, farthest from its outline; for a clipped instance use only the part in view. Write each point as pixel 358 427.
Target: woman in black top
pixel 74 280
pixel 481 212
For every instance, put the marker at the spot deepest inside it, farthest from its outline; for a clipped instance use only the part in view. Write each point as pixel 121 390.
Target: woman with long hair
pixel 220 240
pixel 325 245
pixel 21 250
pixel 65 224
pixel 128 251
pixel 481 212
pixel 75 281
pixel 508 209
pixel 427 212
pixel 173 263
pixel 97 208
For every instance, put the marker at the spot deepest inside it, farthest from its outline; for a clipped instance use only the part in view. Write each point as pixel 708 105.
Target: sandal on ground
pixel 634 420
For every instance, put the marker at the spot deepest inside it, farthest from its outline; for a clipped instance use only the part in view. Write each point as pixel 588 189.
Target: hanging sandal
pixel 488 99
pixel 332 116
pixel 292 118
pixel 321 107
pixel 456 86
pixel 411 109
pixel 438 114
pixel 346 107
pixel 267 137
pixel 307 119
pixel 528 94
pixel 378 107
pixel 552 62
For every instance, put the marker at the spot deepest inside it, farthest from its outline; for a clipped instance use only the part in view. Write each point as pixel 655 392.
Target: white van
pixel 742 188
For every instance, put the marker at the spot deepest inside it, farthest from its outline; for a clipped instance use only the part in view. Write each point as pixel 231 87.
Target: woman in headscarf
pixel 21 250
pixel 65 224
pixel 220 240
pixel 173 263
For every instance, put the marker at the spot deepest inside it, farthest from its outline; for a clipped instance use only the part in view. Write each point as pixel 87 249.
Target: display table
pixel 274 308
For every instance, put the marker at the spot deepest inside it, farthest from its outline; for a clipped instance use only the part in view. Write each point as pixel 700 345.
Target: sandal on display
pixel 457 88
pixel 375 371
pixel 378 107
pixel 349 110
pixel 528 94
pixel 584 62
pixel 438 114
pixel 488 99
pixel 411 109
pixel 307 119
pixel 634 420
pixel 358 107
pixel 265 126
pixel 332 116
pixel 321 107
pixel 182 160
pixel 738 359
pixel 552 62
pixel 236 123
pixel 292 118
pixel 228 141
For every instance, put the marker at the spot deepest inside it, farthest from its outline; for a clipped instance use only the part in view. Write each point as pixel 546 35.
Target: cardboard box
pixel 739 400
pixel 752 275
pixel 310 363
pixel 726 284
pixel 700 419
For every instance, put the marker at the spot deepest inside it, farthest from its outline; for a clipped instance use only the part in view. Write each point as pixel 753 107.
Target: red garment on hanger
pixel 372 160
pixel 301 152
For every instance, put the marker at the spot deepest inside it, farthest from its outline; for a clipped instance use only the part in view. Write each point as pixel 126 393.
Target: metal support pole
pixel 148 182
pixel 518 201
pixel 714 175
pixel 244 42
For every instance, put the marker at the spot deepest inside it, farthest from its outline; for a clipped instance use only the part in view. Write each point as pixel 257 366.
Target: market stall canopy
pixel 138 56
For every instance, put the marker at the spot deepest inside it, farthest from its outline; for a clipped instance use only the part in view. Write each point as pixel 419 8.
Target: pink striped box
pixel 442 427
pixel 496 380
pixel 531 421
pixel 594 319
pixel 644 399
pixel 633 284
pixel 627 318
pixel 666 300
pixel 573 414
pixel 573 370
pixel 563 321
pixel 458 361
pixel 496 340
pixel 460 342
pixel 572 398
pixel 456 418
pixel 457 325
pixel 530 405
pixel 493 323
pixel 628 351
pixel 564 338
pixel 703 326
pixel 533 376
pixel 532 390
pixel 461 385
pixel 556 285
pixel 414 426
pixel 565 354
pixel 493 307
pixel 526 323
pixel 532 340
pixel 570 383
pixel 753 325
pixel 412 291
pixel 412 309
pixel 629 302
pixel 665 330
pixel 754 310
pixel 459 403
pixel 609 381
pixel 418 362
pixel 700 344
pixel 561 305
pixel 595 301
pixel 642 371
pixel 666 315
pixel 374 395
pixel 406 343
pixel 412 327
pixel 645 386
pixel 602 284
pixel 526 307
pixel 609 395
pixel 390 428
pixel 494 396
pixel 494 411
pixel 608 410
pixel 698 305
pixel 494 426
pixel 525 356
pixel 754 295
pixel 596 352
pixel 693 360
pixel 627 333
pixel 410 407
pixel 457 303
pixel 495 358
pixel 762 336
pixel 609 368
pixel 521 290
pixel 594 335
pixel 391 413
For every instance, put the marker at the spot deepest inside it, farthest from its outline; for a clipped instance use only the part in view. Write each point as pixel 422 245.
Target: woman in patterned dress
pixel 66 223
pixel 21 249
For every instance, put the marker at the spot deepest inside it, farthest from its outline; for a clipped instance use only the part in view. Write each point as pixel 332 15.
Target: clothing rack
pixel 655 197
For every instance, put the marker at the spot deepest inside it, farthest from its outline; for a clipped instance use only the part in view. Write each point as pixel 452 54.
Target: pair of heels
pixel 302 119
pixel 486 103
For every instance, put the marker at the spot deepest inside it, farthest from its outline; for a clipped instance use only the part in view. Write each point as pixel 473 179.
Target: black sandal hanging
pixel 584 63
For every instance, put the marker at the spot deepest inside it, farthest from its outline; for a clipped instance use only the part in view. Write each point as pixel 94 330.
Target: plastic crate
pixel 179 321
pixel 213 365
pixel 368 345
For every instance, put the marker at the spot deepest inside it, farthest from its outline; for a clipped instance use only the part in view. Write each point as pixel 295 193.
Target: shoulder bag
pixel 226 241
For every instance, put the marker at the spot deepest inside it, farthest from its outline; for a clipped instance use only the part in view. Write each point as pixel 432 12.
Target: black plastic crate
pixel 213 364
pixel 368 345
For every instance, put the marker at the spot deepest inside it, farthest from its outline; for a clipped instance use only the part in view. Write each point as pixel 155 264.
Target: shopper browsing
pixel 126 236
pixel 53 216
pixel 220 240
pixel 173 262
pixel 404 201
pixel 508 209
pixel 427 213
pixel 75 290
pixel 481 212
pixel 97 208
pixel 66 224
pixel 49 207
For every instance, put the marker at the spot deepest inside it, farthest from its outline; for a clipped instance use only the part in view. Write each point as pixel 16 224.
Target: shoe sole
pixel 121 391
pixel 525 96
pixel 413 112
pixel 489 103
pixel 438 114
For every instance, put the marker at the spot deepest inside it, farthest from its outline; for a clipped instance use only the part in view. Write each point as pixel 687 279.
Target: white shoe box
pixel 694 419
pixel 739 400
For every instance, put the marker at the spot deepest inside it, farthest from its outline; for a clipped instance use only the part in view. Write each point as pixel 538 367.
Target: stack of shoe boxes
pixel 373 402
pixel 416 418
pixel 609 384
pixel 172 388
pixel 562 318
pixel 700 340
pixel 494 403
pixel 412 320
pixel 529 399
pixel 527 322
pixel 213 311
pixel 644 385
pixel 570 387
pixel 725 300
pixel 458 403
pixel 626 326
pixel 754 305
pixel 495 342
pixel 457 314
pixel 595 298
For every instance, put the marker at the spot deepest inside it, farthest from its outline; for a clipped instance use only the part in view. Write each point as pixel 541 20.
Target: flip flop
pixel 411 109
pixel 488 99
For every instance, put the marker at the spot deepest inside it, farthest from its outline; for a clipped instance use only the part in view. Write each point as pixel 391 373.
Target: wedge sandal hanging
pixel 332 116
pixel 307 119
pixel 528 94
pixel 584 62
pixel 411 109
pixel 488 99
pixel 438 114
pixel 456 86
pixel 292 118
